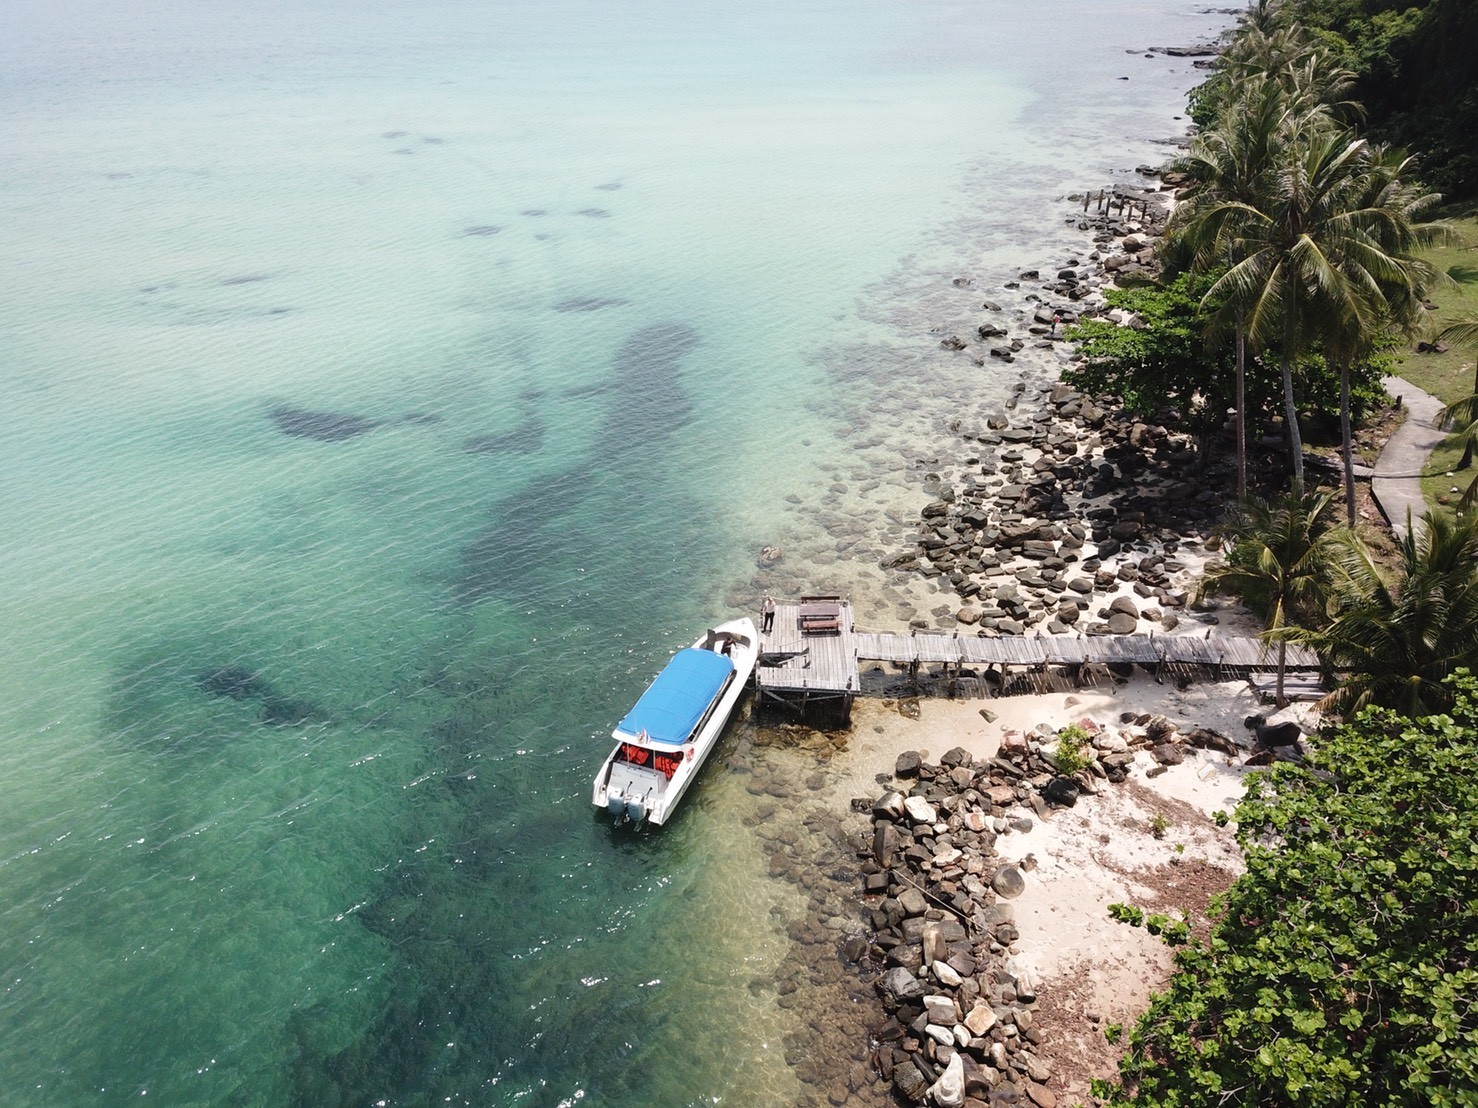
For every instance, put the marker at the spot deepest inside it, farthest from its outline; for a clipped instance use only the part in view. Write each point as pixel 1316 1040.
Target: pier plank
pixel 801 656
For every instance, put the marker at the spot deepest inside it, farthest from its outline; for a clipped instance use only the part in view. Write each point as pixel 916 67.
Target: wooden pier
pixel 811 655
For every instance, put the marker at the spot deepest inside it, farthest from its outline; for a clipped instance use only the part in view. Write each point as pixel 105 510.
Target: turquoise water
pixel 385 391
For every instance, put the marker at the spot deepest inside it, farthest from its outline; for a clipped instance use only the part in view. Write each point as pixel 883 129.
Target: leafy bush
pixel 1343 969
pixel 1175 932
pixel 1074 752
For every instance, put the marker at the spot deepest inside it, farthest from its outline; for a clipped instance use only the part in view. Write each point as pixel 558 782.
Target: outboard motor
pixel 615 804
pixel 636 811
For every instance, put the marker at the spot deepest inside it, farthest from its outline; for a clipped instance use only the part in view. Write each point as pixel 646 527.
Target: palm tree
pixel 1399 639
pixel 1287 277
pixel 1271 47
pixel 1230 161
pixel 1373 244
pixel 1462 415
pixel 1280 562
pixel 1255 193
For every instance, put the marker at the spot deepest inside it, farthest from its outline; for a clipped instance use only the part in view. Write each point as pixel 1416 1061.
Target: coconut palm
pixel 1255 191
pixel 1462 415
pixel 1295 278
pixel 1374 243
pixel 1397 639
pixel 1280 561
pixel 1231 161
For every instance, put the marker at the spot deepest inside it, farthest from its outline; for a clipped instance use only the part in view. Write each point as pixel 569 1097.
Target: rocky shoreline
pixel 1060 506
pixel 906 976
pixel 1057 514
pixel 942 946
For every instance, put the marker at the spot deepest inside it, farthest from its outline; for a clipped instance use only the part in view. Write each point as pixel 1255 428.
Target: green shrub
pixel 1343 966
pixel 1074 750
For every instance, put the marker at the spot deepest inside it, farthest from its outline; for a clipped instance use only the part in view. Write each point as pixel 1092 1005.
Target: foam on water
pixel 385 394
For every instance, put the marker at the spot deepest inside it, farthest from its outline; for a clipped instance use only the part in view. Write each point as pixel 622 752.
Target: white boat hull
pixel 635 791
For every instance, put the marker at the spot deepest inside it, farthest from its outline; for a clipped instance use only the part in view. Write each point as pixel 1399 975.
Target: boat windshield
pixel 671 708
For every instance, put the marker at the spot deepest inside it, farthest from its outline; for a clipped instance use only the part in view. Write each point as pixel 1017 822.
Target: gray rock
pixel 1168 754
pixel 949 1090
pixel 910 1083
pixel 980 1019
pixel 885 843
pixel 956 756
pixel 898 985
pixel 919 809
pixel 1062 791
pixel 1121 624
pixel 888 806
pixel 907 764
pixel 1008 882
pixel 941 1010
pixel 934 946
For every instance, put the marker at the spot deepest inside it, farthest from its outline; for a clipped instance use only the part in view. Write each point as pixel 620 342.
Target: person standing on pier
pixel 767 614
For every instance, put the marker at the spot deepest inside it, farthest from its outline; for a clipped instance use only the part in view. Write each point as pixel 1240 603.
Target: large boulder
pixel 935 947
pixel 980 1019
pixel 912 902
pixel 941 1010
pixel 1062 791
pixel 885 843
pixel 956 756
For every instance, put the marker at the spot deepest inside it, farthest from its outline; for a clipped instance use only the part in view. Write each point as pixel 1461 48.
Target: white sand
pixel 1094 969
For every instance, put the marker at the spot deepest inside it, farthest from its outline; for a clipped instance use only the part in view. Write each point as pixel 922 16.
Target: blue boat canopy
pixel 674 703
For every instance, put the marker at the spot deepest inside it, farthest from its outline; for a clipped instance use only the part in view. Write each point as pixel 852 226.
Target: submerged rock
pixel 308 423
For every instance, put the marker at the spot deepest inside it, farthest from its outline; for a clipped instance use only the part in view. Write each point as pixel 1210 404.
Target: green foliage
pixel 1344 968
pixel 1319 384
pixel 1113 1031
pixel 1398 637
pixel 1074 752
pixel 1175 932
pixel 1165 362
pixel 1281 561
pixel 1159 825
pixel 1416 73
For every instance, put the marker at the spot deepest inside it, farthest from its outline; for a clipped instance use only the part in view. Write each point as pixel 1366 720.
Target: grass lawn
pixel 1449 376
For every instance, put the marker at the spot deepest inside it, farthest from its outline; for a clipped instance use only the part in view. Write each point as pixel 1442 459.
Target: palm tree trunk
pixel 1278 698
pixel 1345 448
pixel 1242 414
pixel 1290 406
pixel 1290 416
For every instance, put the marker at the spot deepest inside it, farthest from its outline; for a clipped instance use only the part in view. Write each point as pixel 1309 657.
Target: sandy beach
pixel 1151 841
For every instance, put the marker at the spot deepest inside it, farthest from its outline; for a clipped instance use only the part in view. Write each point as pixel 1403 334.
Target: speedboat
pixel 662 742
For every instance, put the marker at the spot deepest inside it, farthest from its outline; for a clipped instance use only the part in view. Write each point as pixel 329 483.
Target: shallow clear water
pixel 385 391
